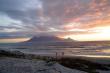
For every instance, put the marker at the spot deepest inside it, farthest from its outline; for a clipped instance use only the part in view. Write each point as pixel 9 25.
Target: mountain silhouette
pixel 46 39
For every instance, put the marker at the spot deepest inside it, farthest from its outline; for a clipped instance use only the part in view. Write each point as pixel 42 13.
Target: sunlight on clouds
pixel 71 25
pixel 105 51
pixel 53 29
pixel 103 29
pixel 13 40
pixel 81 30
pixel 101 33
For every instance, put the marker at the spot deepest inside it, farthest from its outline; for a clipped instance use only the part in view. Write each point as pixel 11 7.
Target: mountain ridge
pixel 48 39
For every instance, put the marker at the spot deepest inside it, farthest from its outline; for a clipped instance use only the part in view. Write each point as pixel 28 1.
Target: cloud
pixel 37 17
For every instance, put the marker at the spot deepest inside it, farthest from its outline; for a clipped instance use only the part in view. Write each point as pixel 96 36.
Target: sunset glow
pixel 100 33
pixel 82 20
pixel 105 51
pixel 13 40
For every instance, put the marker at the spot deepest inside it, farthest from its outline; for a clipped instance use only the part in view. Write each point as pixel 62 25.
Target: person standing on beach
pixel 62 54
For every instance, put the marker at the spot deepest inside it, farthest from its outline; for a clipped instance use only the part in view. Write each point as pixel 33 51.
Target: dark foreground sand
pixel 15 65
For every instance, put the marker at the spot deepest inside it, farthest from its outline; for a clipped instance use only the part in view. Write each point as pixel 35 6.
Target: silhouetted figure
pixel 56 55
pixel 62 54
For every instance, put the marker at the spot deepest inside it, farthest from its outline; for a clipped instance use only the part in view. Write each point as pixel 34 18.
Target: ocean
pixel 92 51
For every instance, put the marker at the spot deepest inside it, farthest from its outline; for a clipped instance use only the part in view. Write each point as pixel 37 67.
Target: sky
pixel 83 20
